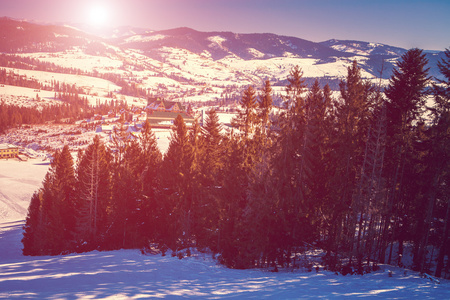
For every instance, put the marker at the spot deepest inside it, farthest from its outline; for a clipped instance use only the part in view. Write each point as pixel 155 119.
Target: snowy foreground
pixel 127 274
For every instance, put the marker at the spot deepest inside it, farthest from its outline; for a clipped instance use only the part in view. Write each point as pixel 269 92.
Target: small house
pixel 8 151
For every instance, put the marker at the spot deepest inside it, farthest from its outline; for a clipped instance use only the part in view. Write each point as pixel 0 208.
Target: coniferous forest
pixel 362 176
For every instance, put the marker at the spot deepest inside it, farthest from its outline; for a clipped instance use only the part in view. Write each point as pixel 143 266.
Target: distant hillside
pixel 20 36
pixel 381 57
pixel 222 44
pixel 225 58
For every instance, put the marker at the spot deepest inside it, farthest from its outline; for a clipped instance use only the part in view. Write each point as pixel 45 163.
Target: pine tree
pixel 31 240
pixel 94 194
pixel 246 118
pixel 50 228
pixel 441 90
pixel 436 145
pixel 352 120
pixel 406 90
pixel 265 104
pixel 175 179
pixel 125 213
pixel 65 174
pixel 405 105
pixel 320 125
pixel 291 168
pixel 263 133
pixel 211 166
pixel 51 219
pixel 211 140
pixel 151 160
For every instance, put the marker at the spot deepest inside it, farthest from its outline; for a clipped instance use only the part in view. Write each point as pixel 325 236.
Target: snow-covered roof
pixel 6 146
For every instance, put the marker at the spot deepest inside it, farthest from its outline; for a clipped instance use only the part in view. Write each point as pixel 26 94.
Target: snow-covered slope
pixel 18 181
pixel 183 64
pixel 364 48
pixel 22 36
pixel 128 274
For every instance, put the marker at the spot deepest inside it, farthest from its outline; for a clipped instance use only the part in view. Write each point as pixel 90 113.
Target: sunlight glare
pixel 98 15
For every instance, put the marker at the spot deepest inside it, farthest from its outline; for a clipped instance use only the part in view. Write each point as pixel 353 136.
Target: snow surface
pixel 181 75
pixel 26 97
pixel 145 38
pixel 128 274
pixel 92 84
pixel 76 58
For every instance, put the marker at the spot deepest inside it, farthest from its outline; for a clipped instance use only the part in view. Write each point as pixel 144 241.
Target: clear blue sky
pixel 405 23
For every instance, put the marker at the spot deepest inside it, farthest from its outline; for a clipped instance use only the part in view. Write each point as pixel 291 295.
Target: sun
pixel 98 15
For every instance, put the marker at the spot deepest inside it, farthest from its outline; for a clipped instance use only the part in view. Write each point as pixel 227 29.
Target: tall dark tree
pixel 406 96
pixel 246 118
pixel 441 89
pixel 66 181
pixel 56 209
pixel 291 167
pixel 320 125
pixel 352 120
pixel 151 160
pixel 437 160
pixel 32 239
pixel 176 167
pixel 265 104
pixel 126 209
pixel 94 194
pixel 211 166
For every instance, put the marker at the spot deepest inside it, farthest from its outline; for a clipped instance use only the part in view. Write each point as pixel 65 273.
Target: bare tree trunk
pixel 426 230
pixel 442 246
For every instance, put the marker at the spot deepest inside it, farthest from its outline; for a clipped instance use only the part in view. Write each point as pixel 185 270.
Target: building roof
pixel 5 146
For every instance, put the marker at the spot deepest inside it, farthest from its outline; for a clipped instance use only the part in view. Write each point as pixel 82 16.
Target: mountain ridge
pixel 23 36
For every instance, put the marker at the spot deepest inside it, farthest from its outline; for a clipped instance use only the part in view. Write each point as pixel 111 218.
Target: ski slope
pixel 128 274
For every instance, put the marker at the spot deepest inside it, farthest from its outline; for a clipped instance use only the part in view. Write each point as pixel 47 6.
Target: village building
pixel 8 151
pixel 173 107
pixel 157 105
pixel 166 106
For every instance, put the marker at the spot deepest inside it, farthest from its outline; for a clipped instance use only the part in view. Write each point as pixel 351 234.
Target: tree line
pixel 127 87
pixel 73 108
pixel 361 176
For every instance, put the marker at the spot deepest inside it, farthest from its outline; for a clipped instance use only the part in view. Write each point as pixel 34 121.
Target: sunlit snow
pixel 127 274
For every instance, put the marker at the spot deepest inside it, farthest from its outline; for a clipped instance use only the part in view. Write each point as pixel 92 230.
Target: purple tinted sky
pixel 405 23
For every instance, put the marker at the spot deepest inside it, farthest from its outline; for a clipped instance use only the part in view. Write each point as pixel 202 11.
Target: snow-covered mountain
pixel 22 36
pixel 223 44
pixel 189 65
pixel 364 48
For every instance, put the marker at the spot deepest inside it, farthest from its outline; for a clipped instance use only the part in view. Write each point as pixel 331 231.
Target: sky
pixel 424 24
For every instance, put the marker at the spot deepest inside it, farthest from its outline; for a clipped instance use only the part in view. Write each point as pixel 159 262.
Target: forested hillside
pixel 361 176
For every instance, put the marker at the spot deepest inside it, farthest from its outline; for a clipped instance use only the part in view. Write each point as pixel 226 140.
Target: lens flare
pixel 98 15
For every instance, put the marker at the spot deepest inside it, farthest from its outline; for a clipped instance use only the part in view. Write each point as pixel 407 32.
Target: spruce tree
pixel 176 166
pixel 211 139
pixel 66 181
pixel 320 106
pixel 246 118
pixel 31 240
pixel 50 228
pixel 291 166
pixel 265 104
pixel 352 121
pixel 51 219
pixel 211 166
pixel 94 195
pixel 151 160
pixel 125 213
pixel 437 159
pixel 406 96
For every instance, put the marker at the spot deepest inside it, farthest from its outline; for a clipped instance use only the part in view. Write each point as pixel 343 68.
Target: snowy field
pixel 127 274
